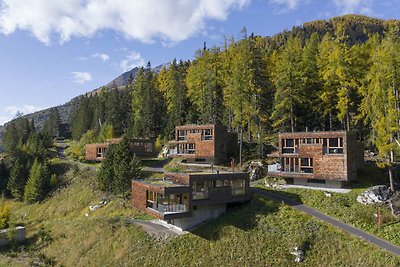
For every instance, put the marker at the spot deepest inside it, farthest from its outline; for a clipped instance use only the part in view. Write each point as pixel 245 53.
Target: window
pixel 334 146
pixel 191 148
pixel 207 134
pixel 181 135
pixel 151 199
pixel 200 189
pixel 100 152
pixel 238 187
pixel 306 165
pixel 288 146
pixel 148 147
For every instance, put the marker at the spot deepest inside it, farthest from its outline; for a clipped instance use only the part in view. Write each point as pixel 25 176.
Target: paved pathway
pixel 158 228
pixel 327 189
pixel 383 244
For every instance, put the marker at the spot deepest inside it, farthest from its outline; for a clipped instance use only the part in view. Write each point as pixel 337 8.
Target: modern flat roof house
pixel 208 143
pixel 327 159
pixel 187 199
pixel 141 147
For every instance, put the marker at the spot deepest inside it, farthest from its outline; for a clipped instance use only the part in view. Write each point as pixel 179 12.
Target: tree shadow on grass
pixel 40 239
pixel 244 216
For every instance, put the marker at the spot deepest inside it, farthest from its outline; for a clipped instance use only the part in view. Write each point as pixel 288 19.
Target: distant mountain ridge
pixel 65 110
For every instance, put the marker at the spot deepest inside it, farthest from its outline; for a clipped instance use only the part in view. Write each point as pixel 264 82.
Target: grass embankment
pixel 346 208
pixel 260 233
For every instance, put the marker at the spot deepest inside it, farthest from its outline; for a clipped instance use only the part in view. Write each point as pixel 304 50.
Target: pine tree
pixel 106 173
pixel 17 180
pixel 3 177
pixel 50 126
pixel 33 190
pixel 126 167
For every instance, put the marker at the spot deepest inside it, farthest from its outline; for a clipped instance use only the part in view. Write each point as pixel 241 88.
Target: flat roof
pixel 162 182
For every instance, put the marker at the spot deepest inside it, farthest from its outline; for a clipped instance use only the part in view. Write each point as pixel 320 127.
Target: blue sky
pixel 54 50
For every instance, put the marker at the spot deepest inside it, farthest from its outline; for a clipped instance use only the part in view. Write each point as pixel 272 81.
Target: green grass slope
pixel 260 233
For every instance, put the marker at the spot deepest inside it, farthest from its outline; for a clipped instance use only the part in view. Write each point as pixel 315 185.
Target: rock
pixel 256 170
pixel 374 195
pixel 394 205
pixel 164 153
pixel 299 253
pixel 94 207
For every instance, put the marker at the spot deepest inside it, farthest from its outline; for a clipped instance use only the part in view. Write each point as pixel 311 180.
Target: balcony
pixel 167 209
pixel 290 150
pixel 200 195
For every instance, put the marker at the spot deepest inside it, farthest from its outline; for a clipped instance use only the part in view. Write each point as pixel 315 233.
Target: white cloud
pixel 354 6
pixel 290 5
pixel 9 112
pixel 133 59
pixel 102 56
pixel 81 77
pixel 168 20
pixel 4 119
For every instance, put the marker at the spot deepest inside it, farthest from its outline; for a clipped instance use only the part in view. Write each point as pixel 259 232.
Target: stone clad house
pixel 187 199
pixel 202 143
pixel 328 159
pixel 141 147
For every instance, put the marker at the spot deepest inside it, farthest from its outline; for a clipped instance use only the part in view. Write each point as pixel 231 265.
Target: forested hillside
pixel 324 75
pixel 316 76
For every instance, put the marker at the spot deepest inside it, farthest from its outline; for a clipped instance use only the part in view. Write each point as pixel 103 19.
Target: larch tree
pixel 380 93
pixel 288 83
pixel 329 52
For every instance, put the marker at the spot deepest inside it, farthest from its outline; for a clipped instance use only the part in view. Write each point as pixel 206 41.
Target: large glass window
pixel 171 203
pixel 200 189
pixel 238 187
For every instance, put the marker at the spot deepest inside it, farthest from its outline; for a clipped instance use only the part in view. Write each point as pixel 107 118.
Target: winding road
pixel 383 244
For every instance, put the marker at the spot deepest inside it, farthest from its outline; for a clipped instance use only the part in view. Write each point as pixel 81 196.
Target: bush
pixel 5 214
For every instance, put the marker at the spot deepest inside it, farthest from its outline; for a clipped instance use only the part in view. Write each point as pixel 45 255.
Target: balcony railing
pixel 290 150
pixel 182 151
pixel 168 209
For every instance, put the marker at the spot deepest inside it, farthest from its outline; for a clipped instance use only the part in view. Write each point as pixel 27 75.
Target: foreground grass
pixel 260 233
pixel 347 209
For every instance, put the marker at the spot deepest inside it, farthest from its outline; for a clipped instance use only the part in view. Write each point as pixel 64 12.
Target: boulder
pixel 374 195
pixel 394 204
pixel 299 253
pixel 256 170
pixel 164 153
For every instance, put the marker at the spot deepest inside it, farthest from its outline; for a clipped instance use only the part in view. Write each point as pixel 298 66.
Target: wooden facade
pixel 140 147
pixel 319 156
pixel 211 143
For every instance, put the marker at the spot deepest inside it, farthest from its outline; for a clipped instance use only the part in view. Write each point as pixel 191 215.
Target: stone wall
pixel 19 235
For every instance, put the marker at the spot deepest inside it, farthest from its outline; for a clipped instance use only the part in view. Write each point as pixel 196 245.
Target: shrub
pixel 5 213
